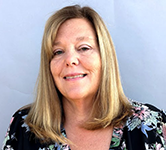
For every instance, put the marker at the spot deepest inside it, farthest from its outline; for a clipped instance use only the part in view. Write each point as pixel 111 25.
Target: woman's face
pixel 76 65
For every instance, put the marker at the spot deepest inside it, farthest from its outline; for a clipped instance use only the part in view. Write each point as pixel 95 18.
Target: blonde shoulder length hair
pixel 111 106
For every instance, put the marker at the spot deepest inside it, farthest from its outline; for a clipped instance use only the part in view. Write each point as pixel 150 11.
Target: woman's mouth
pixel 75 76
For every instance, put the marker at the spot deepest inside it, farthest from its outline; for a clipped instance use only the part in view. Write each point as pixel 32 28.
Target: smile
pixel 76 76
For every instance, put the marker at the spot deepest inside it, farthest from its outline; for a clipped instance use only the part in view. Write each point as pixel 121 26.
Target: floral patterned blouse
pixel 144 130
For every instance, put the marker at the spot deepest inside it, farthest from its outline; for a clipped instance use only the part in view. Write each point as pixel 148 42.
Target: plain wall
pixel 138 29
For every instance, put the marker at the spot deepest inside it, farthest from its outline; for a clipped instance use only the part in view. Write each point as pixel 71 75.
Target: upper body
pixel 79 93
pixel 144 130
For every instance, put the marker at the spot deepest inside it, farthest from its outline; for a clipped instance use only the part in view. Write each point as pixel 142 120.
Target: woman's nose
pixel 72 58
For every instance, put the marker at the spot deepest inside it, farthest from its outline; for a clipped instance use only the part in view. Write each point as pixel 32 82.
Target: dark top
pixel 144 130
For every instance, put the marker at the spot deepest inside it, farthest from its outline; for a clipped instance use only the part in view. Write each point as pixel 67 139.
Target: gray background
pixel 138 29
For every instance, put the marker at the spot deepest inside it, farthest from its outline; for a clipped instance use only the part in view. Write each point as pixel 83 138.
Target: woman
pixel 80 102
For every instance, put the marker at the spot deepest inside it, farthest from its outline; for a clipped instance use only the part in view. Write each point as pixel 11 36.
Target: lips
pixel 75 76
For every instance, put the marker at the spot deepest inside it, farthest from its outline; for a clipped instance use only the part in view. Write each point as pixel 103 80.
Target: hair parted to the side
pixel 110 106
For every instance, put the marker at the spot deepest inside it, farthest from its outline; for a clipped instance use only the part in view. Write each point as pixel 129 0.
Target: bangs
pixel 49 38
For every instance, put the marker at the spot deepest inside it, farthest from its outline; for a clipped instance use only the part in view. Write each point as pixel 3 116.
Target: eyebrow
pixel 56 43
pixel 81 38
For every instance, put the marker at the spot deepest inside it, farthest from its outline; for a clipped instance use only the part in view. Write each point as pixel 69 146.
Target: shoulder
pixel 18 119
pixel 20 137
pixel 22 111
pixel 17 128
pixel 147 112
pixel 149 122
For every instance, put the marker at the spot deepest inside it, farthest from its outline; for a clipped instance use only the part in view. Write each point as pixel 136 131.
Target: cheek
pixel 97 67
pixel 54 71
pixel 54 68
pixel 95 63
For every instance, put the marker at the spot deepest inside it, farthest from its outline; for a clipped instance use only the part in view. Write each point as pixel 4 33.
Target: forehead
pixel 78 28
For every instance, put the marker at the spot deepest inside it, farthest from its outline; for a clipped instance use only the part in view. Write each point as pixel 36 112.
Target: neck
pixel 76 111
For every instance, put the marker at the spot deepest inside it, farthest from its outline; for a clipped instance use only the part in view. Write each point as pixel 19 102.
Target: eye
pixel 58 52
pixel 84 48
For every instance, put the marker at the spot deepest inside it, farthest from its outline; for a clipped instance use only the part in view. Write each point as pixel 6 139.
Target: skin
pixel 76 69
pixel 76 66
